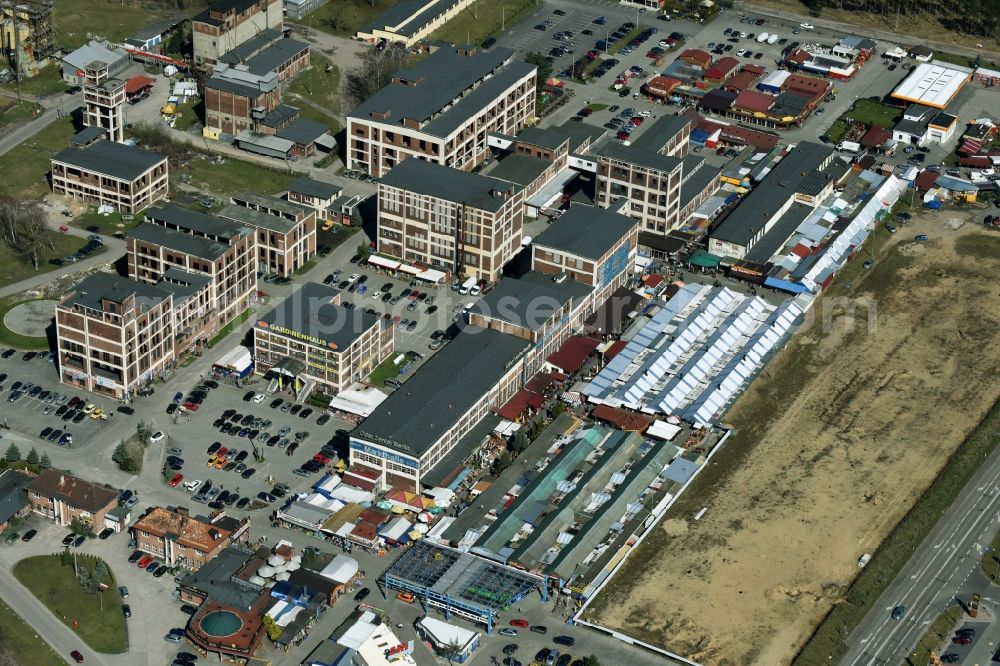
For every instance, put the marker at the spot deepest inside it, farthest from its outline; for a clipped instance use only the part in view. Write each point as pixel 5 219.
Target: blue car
pixel 921 238
pixel 600 20
pixel 178 397
pixel 362 288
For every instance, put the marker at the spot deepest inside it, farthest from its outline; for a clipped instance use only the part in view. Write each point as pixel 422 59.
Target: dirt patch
pixel 869 420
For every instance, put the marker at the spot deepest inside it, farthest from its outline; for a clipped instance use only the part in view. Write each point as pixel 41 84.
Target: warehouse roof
pixel 310 310
pixel 99 286
pixel 257 219
pixel 173 216
pixel 698 175
pixel 545 138
pixel 520 169
pixel 933 84
pixel 788 177
pixel 754 101
pixel 407 17
pixel 453 185
pixel 586 231
pixel 314 188
pixel 303 131
pixel 276 55
pixel 638 154
pixel 779 233
pixel 422 92
pixel 108 158
pixel 413 418
pixel 529 301
pixel 251 47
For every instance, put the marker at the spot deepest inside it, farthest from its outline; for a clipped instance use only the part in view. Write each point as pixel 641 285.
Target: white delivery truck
pixel 467 285
pixel 762 37
pixel 849 146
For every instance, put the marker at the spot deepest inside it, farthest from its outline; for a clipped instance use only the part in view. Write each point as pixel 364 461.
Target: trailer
pixel 849 147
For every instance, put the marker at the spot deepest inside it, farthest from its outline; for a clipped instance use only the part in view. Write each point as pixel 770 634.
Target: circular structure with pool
pixel 221 623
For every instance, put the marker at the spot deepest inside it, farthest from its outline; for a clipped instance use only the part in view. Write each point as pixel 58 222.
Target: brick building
pixel 229 23
pixel 63 498
pixel 124 177
pixel 180 539
pixel 285 231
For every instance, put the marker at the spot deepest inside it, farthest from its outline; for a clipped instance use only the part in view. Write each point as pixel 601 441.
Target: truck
pixel 773 39
pixel 849 146
pixel 762 37
pixel 467 285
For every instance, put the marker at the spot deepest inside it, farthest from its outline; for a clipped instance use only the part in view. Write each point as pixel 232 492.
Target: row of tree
pixel 23 226
pixel 13 455
pixel 970 17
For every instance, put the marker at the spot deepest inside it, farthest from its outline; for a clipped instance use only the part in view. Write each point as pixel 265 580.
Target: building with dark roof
pixel 285 231
pixel 806 175
pixel 442 109
pixel 422 206
pixel 105 173
pixel 421 422
pixel 237 99
pixel 592 246
pixel 409 21
pixel 647 174
pixel 335 346
pixel 63 498
pixel 723 68
pixel 227 24
pixel 13 496
pixel 315 194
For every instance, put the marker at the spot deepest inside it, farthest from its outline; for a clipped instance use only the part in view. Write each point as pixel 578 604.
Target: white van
pixel 467 286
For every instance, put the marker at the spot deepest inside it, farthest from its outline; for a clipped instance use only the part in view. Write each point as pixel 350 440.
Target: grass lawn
pixel 991 560
pixel 234 176
pixel 320 86
pixel 938 630
pixel 13 113
pixel 964 61
pixel 47 82
pixel 383 371
pixel 23 342
pixel 228 328
pixel 346 17
pixel 17 268
pixel 474 24
pixel 56 586
pixel 20 644
pixel 105 224
pixel 864 111
pixel 189 113
pixel 114 20
pixel 25 168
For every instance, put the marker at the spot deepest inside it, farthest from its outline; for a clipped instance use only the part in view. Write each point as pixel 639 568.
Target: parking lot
pixel 32 412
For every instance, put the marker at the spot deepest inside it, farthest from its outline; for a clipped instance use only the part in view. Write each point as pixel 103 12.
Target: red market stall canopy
pixel 620 418
pixel 138 83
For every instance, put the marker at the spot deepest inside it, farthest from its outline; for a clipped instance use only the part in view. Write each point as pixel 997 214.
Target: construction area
pixel 833 444
pixel 26 35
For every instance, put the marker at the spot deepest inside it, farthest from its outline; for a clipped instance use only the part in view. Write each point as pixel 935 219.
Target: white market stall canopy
pixel 237 359
pixel 663 430
pixel 341 569
pixel 431 275
pixel 358 399
pixel 382 262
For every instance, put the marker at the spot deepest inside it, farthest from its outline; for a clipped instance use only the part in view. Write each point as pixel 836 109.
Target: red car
pixel 191 406
pixel 635 121
pixel 77 657
pixel 962 639
pixel 592 54
pixel 519 622
pixel 144 562
pixel 221 453
pixel 623 136
pixel 177 479
pixel 320 458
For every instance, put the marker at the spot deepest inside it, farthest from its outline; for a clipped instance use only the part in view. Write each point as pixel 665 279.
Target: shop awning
pixel 431 275
pixel 412 270
pixel 376 260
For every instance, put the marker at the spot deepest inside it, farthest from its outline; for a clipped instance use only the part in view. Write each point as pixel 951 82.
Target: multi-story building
pixel 187 541
pixel 419 424
pixel 592 246
pixel 464 223
pixel 285 231
pixel 315 194
pixel 104 99
pixel 63 498
pixel 310 338
pixel 237 99
pixel 441 110
pixel 114 334
pixel 124 177
pixel 175 237
pixel 229 23
pixel 410 21
pixel 647 174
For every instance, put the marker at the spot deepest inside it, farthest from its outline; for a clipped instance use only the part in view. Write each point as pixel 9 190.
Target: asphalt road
pixel 945 568
pixel 21 133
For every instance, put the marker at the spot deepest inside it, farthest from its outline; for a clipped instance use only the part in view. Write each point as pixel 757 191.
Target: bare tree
pixel 24 231
pixel 378 66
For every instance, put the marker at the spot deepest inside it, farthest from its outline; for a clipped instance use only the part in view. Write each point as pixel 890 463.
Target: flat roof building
pixel 325 342
pixel 933 84
pixel 229 23
pixel 465 224
pixel 442 110
pixel 409 21
pixel 421 422
pixel 105 173
pixel 285 231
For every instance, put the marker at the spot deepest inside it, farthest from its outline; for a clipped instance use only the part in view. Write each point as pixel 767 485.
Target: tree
pixel 13 453
pixel 364 250
pixel 356 219
pixel 120 454
pixel 130 466
pixel 502 462
pixel 520 441
pixel 557 409
pixel 101 572
pixel 376 71
pixel 32 456
pixel 81 527
pixel 65 558
pixel 544 65
pixel 45 463
pixel 272 628
pixel 591 661
pixel 144 430
pixel 24 229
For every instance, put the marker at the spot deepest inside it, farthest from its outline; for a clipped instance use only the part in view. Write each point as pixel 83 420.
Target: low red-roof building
pixel 573 353
pixel 756 70
pixel 520 403
pixel 876 136
pixel 741 81
pixel 753 101
pixel 800 57
pixel 926 179
pixel 661 86
pixel 722 69
pixel 696 57
pixel 809 85
pixel 620 418
pixel 361 477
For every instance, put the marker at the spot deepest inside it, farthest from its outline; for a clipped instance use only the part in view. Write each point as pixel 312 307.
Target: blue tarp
pixel 934 203
pixel 785 285
pixel 730 199
pixel 699 136
pixel 458 479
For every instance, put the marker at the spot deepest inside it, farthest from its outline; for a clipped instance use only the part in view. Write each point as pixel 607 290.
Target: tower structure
pixel 104 97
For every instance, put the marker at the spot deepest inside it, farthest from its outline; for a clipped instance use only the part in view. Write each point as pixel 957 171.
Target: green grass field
pixel 100 623
pixel 383 371
pixel 47 82
pixel 474 24
pixel 318 84
pixel 20 644
pixel 234 176
pixel 16 267
pixel 346 17
pixel 105 224
pixel 114 20
pixel 25 168
pixel 864 111
pixel 13 112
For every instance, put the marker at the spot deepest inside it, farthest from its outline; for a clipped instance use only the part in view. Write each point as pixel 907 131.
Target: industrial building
pixel 409 21
pixel 106 173
pixel 441 110
pixel 285 231
pixel 934 84
pixel 228 23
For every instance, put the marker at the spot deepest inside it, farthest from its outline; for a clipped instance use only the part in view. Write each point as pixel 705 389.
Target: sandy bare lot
pixel 873 418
